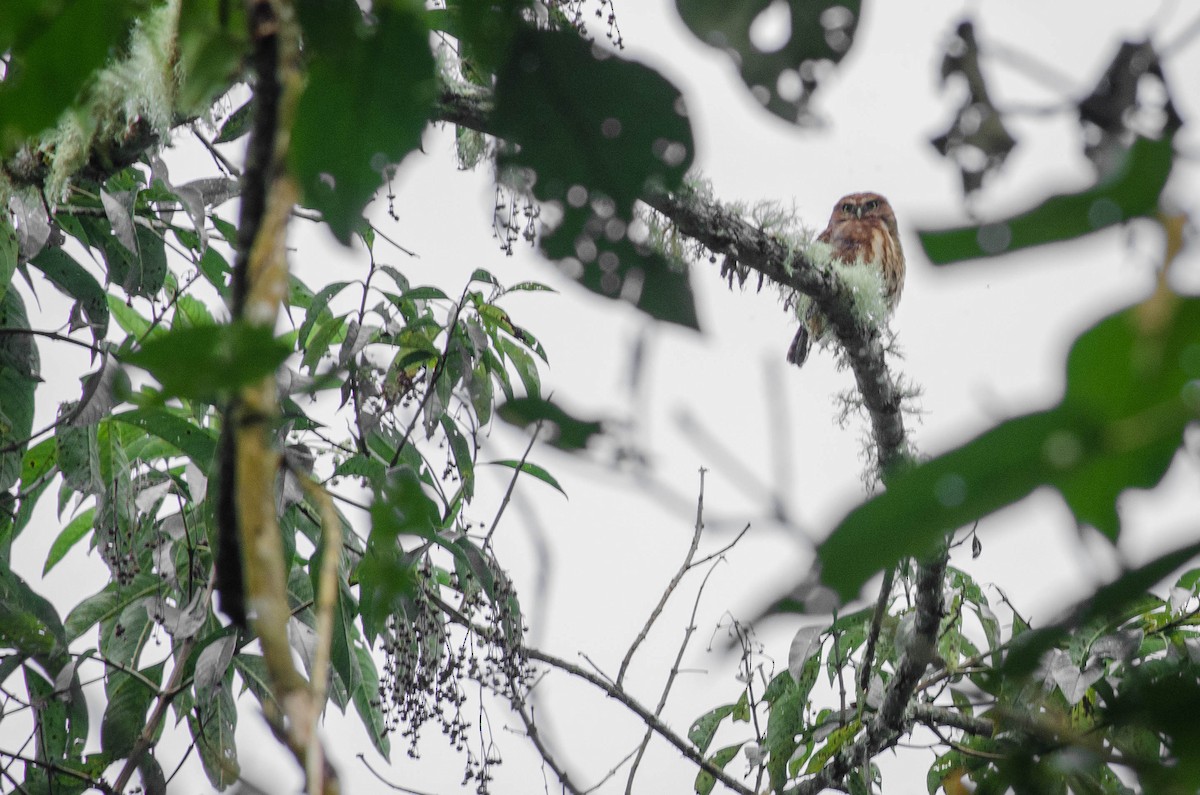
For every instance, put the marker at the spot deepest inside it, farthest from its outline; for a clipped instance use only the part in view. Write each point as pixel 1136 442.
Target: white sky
pixel 985 341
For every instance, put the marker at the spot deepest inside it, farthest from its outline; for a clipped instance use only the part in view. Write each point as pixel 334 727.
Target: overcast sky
pixel 983 341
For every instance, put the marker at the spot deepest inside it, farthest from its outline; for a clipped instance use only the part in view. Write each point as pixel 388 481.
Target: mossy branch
pixel 259 287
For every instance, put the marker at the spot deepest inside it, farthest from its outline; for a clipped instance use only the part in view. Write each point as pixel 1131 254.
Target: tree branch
pixel 723 231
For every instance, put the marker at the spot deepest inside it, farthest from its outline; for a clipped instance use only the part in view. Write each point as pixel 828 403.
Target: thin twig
pixel 689 630
pixel 671 586
pixel 223 161
pixel 660 728
pixel 609 689
pixel 525 712
pixel 385 782
pixel 512 484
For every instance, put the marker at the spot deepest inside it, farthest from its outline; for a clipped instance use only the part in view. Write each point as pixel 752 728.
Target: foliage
pixel 421 372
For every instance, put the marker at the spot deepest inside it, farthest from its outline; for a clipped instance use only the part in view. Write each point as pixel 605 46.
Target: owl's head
pixel 862 205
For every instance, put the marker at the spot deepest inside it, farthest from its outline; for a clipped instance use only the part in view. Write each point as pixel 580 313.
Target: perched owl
pixel 862 228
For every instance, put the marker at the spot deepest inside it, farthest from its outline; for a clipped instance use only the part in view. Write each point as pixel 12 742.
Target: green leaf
pixel 36 464
pixel 705 780
pixel 141 272
pixel 72 279
pixel 1133 385
pixel 1130 191
pixel 705 727
pixel 8 253
pixel 236 124
pixel 205 362
pixel 78 528
pixel 19 366
pixel 317 310
pixel 783 724
pixel 198 444
pixel 782 76
pixel 109 603
pixel 367 702
pixel 29 624
pixel 60 721
pixel 559 428
pixel 1110 604
pixel 40 82
pixel 531 469
pixel 129 700
pixel 78 455
pixel 387 576
pixel 213 730
pixel 598 134
pixel 464 456
pixel 424 293
pixel 131 321
pixel 372 92
pixel 525 366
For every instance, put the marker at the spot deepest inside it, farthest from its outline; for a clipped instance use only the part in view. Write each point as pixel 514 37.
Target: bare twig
pixel 656 725
pixel 525 712
pixel 512 484
pixel 385 782
pixel 671 586
pixel 688 631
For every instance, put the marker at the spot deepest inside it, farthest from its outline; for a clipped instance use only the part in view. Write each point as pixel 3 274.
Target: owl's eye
pixel 848 208
pixel 871 205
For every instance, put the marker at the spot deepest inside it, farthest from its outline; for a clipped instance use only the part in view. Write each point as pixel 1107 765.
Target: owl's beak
pixel 858 211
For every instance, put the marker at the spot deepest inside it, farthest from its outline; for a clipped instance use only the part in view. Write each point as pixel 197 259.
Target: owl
pixel 861 229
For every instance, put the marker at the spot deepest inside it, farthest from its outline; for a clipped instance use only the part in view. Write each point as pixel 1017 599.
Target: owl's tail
pixel 798 351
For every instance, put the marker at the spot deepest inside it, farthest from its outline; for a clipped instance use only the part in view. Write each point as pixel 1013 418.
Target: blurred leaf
pixel 1131 191
pixel 204 362
pixel 977 140
pixel 212 48
pixel 372 93
pixel 533 470
pixel 1133 385
pixel 559 428
pixel 783 75
pixel 40 82
pixel 19 367
pixel 596 133
pixel 1123 98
